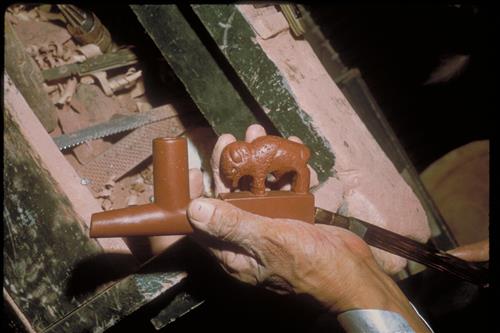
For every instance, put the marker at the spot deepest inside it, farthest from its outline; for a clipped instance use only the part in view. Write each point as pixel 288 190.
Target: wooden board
pixel 214 95
pixel 213 92
pixel 55 277
pixel 43 238
pixel 236 39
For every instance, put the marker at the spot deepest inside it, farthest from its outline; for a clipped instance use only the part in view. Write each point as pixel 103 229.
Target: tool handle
pixel 426 255
pixel 407 248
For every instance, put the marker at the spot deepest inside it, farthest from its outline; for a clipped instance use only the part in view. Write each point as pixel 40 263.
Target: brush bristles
pixel 407 248
pixel 425 255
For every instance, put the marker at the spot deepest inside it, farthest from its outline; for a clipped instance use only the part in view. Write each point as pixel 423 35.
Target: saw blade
pixel 128 152
pixel 114 126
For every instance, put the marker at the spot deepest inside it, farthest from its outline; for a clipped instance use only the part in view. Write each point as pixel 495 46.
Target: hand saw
pixel 114 126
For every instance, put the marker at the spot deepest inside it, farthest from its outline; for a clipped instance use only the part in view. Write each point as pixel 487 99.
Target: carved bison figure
pixel 264 155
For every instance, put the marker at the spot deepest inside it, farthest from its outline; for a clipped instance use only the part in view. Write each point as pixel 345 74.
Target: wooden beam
pixel 206 83
pixel 41 145
pixel 236 39
pixel 212 91
pixel 54 274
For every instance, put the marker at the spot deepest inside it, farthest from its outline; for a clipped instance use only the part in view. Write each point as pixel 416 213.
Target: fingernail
pixel 200 211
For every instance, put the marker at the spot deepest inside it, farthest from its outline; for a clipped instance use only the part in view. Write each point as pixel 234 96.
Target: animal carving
pixel 264 155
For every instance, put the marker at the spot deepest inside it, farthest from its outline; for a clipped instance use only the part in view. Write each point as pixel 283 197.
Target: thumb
pixel 224 221
pixel 195 183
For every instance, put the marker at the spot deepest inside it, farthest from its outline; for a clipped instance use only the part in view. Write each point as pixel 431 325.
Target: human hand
pixel 357 203
pixel 288 256
pixel 475 252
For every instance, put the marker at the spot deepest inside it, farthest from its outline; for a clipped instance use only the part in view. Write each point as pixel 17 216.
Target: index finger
pixel 253 132
pixel 222 142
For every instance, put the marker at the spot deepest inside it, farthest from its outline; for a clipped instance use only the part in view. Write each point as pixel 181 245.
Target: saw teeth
pixel 122 126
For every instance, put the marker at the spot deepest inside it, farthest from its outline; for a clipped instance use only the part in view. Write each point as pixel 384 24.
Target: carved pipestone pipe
pixel 167 215
pixel 266 154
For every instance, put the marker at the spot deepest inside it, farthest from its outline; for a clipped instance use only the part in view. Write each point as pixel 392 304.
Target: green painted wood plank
pixel 236 40
pixel 43 239
pixel 122 299
pixel 214 95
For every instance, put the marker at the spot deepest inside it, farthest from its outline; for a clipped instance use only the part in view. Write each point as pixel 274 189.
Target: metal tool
pixel 407 248
pixel 293 17
pixel 128 153
pixel 120 58
pixel 114 126
pixel 85 27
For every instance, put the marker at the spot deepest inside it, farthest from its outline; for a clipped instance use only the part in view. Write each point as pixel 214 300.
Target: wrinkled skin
pixel 287 256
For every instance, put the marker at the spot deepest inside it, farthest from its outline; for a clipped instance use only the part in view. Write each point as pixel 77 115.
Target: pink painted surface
pixel 41 33
pixel 54 162
pixel 366 185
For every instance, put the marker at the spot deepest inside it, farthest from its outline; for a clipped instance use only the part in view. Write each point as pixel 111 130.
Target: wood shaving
pixel 147 175
pixel 132 200
pixel 131 77
pixel 40 62
pixel 102 78
pixel 104 193
pixel 49 88
pixel 33 50
pixel 68 92
pixel 81 100
pixel 124 81
pixel 137 187
pixel 89 50
pixel 59 49
pixel 107 204
pixel 87 80
pixel 51 61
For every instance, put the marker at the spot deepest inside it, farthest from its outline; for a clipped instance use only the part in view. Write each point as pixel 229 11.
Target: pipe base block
pixel 274 204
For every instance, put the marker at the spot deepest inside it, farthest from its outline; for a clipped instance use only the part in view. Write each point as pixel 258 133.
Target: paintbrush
pixel 406 247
